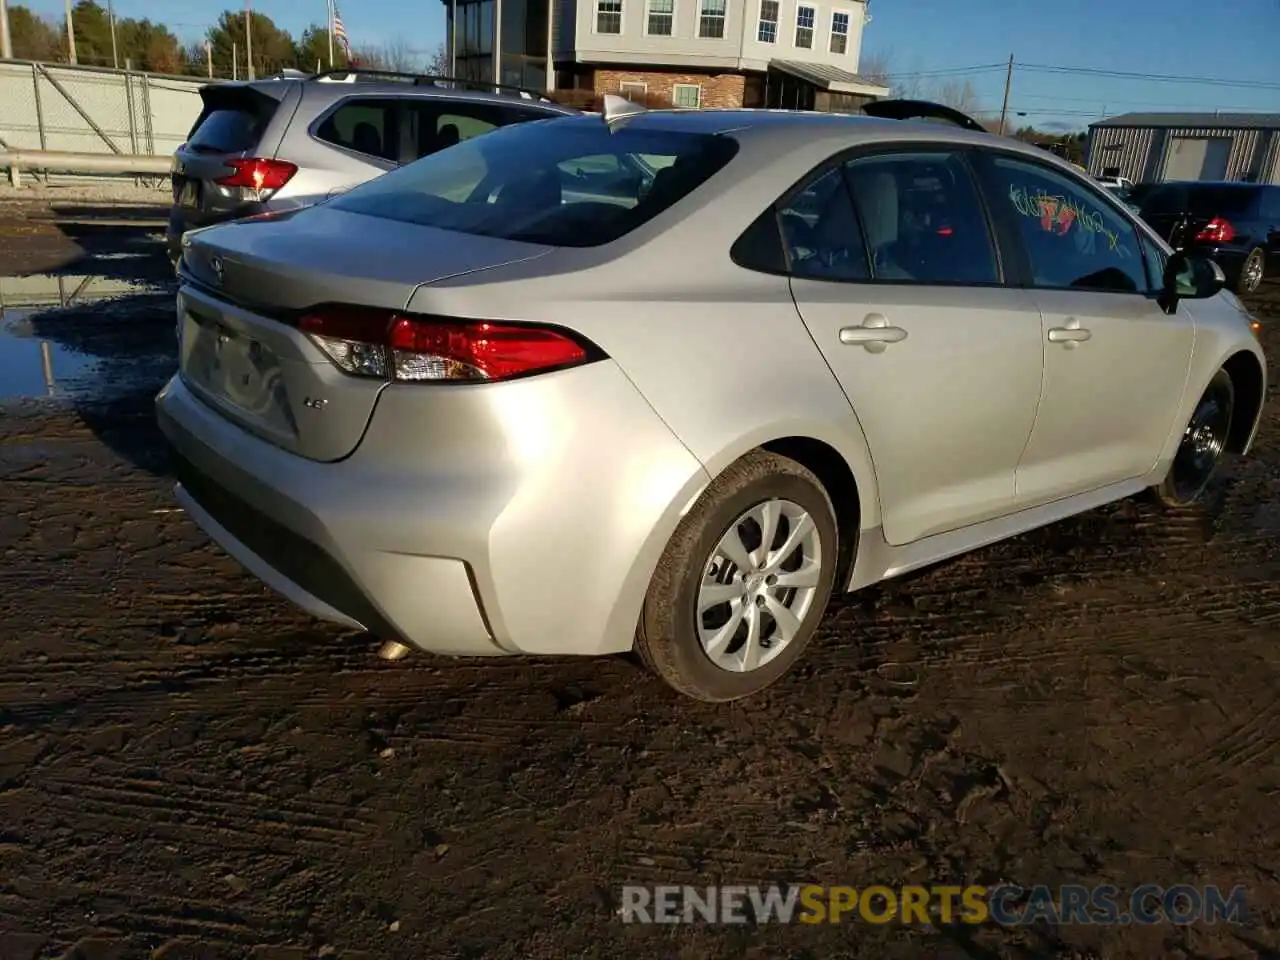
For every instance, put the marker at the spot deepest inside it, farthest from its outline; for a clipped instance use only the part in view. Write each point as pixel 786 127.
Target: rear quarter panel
pixel 719 351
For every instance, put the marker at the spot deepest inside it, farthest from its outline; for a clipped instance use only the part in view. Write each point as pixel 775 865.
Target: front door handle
pixel 874 334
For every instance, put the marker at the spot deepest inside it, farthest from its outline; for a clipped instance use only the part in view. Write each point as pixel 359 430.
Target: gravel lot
pixel 191 768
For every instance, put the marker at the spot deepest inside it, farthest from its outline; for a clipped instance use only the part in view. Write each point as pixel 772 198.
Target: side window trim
pixel 990 186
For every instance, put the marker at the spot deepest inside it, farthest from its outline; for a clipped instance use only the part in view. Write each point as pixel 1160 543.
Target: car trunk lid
pixel 248 284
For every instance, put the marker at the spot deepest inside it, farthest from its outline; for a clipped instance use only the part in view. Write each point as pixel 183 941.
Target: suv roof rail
pixel 433 80
pixel 922 110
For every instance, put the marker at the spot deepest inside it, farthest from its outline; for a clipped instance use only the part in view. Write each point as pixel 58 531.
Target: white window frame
pixel 761 21
pixel 595 18
pixel 697 30
pixel 686 86
pixel 848 29
pixel 648 12
pixel 635 85
pixel 813 30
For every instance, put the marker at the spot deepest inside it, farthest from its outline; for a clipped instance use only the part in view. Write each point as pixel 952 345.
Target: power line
pixel 1150 77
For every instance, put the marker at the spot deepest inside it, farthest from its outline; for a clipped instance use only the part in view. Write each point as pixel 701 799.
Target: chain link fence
pixel 94 110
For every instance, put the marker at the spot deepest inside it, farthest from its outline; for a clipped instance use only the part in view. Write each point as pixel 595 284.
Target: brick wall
pixel 718 89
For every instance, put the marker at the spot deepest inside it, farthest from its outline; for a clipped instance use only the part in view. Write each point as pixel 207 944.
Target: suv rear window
pixel 1210 200
pixel 567 183
pixel 232 121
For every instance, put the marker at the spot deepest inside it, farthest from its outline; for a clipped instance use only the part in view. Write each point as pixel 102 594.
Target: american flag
pixel 340 32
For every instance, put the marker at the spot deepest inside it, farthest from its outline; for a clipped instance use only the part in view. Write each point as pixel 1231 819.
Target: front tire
pixel 743 582
pixel 1203 445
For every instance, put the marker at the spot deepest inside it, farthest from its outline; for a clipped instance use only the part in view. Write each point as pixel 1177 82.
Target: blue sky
pixel 1186 38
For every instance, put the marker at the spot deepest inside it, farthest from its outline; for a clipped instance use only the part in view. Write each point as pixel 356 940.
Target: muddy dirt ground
pixel 191 768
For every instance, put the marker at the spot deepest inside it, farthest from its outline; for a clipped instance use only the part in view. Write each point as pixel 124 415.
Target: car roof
pixel 776 129
pixel 329 90
pixel 1214 184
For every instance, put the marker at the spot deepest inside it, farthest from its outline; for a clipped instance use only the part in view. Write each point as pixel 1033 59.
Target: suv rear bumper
pixel 486 533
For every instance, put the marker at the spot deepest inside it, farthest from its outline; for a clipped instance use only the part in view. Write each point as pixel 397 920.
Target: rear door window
pixel 923 219
pixel 522 182
pixel 433 125
pixel 366 126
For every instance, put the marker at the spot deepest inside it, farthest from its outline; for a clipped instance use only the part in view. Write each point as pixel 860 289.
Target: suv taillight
pixel 1217 230
pixel 393 346
pixel 257 178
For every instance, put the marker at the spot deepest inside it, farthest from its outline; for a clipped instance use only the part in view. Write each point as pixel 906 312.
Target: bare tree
pixel 957 94
pixel 393 55
pixel 438 63
pixel 874 68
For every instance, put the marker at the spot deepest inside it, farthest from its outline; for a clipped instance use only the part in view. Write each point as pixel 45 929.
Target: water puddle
pixel 83 338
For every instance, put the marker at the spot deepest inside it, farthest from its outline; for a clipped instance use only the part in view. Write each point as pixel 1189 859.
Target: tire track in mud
pixel 1025 712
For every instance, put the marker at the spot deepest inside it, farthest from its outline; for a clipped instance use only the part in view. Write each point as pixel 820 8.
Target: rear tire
pixel 718 630
pixel 1203 446
pixel 1252 272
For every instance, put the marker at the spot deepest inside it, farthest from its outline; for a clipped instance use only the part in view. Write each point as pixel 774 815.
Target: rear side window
pixel 233 121
pixel 821 233
pixel 435 125
pixel 568 183
pixel 367 126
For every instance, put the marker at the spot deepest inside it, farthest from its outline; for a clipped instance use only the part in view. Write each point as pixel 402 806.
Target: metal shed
pixel 1187 146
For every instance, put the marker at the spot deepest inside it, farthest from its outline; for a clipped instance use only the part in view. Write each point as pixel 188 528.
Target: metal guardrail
pixel 57 161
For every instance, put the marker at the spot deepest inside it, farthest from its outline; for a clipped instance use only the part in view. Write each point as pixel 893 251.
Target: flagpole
pixel 329 4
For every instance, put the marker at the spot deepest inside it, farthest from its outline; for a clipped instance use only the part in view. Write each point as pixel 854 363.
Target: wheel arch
pixel 834 456
pixel 1249 380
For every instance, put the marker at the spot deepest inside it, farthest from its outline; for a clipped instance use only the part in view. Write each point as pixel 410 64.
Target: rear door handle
pixel 874 334
pixel 1068 335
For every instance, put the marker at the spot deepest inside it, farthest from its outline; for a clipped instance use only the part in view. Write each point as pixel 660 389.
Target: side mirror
pixel 1188 276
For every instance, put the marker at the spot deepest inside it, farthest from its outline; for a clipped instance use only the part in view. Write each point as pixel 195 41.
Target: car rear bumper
pixel 468 539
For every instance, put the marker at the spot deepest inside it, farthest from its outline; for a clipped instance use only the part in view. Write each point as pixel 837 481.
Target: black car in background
pixel 1237 224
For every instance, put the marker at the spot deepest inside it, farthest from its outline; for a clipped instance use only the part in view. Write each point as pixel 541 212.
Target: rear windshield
pixel 567 183
pixel 232 121
pixel 1200 201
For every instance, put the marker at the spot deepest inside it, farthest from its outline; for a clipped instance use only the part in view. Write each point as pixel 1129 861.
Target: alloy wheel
pixel 1251 273
pixel 758 586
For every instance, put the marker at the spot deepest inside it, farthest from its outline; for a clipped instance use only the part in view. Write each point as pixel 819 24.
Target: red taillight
pixel 946 232
pixel 258 173
pixel 1217 230
pixel 376 343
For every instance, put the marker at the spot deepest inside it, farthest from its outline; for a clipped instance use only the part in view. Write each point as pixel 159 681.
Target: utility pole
pixel 6 42
pixel 248 39
pixel 208 57
pixel 330 2
pixel 111 20
pixel 235 61
pixel 71 37
pixel 1008 84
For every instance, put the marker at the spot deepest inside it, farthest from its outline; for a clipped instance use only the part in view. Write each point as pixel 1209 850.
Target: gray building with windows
pixel 717 53
pixel 1148 147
